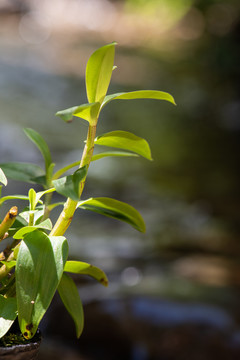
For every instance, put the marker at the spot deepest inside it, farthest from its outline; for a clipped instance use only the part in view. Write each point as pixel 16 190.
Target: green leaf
pixel 41 193
pixel 67 114
pixel 13 197
pixel 9 264
pixel 8 313
pixel 45 225
pixel 79 267
pixel 38 213
pixel 60 172
pixel 22 171
pixel 140 94
pixel 98 73
pixel 41 144
pixel 125 140
pixel 115 209
pixel 69 185
pixel 72 302
pixel 32 199
pixel 112 153
pixel 39 269
pixel 18 224
pixel 3 179
pixel 87 112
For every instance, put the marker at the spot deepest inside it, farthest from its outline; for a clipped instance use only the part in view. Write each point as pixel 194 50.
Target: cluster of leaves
pixel 36 266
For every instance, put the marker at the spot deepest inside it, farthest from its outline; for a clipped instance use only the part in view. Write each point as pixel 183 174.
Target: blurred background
pixel 174 291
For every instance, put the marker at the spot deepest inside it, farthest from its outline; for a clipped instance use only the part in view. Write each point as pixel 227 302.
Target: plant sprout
pixel 36 263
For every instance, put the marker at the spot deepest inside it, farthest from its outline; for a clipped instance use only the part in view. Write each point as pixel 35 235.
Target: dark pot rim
pixel 35 344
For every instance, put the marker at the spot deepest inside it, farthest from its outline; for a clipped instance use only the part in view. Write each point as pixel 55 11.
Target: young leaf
pixel 45 225
pixel 98 72
pixel 22 171
pixel 9 265
pixel 112 153
pixel 79 267
pixel 3 179
pixel 87 112
pixel 41 144
pixel 32 199
pixel 140 94
pixel 72 302
pixel 69 185
pixel 39 268
pixel 115 209
pixel 41 193
pixel 8 311
pixel 125 140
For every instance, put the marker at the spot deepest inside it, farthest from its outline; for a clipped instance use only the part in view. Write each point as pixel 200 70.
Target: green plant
pixel 35 265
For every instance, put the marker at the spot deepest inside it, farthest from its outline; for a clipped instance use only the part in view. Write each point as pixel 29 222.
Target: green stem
pixel 47 202
pixel 65 218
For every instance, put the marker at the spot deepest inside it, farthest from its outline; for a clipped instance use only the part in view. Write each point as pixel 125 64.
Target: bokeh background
pixel 174 291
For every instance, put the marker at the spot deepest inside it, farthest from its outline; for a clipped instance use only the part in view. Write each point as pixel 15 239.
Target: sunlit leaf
pixel 87 112
pixel 113 153
pixel 8 313
pixel 3 179
pixel 38 213
pixel 140 94
pixel 45 225
pixel 125 140
pixel 32 199
pixel 98 72
pixel 69 185
pixel 41 144
pixel 9 264
pixel 22 171
pixel 115 209
pixel 72 302
pixel 39 269
pixel 79 267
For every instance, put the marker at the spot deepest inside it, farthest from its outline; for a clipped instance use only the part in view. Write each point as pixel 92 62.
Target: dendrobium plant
pixel 36 263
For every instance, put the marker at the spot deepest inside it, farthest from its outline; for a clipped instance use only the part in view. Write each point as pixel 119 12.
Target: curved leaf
pixel 3 179
pixel 79 267
pixel 22 171
pixel 39 268
pixel 115 209
pixel 140 94
pixel 13 197
pixel 69 185
pixel 87 112
pixel 8 313
pixel 112 153
pixel 98 72
pixel 45 225
pixel 125 140
pixel 41 144
pixel 67 114
pixel 72 302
